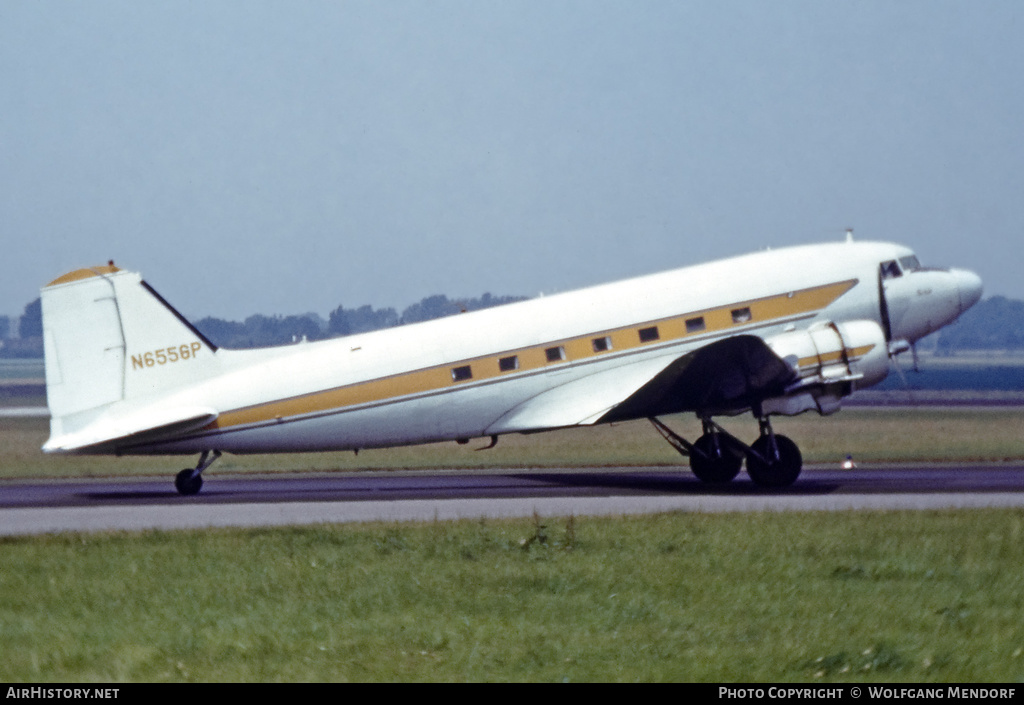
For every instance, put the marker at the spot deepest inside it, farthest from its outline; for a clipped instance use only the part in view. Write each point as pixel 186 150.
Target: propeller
pixel 883 306
pixel 899 346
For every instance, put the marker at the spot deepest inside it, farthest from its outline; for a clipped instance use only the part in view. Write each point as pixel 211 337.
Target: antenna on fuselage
pixel 849 234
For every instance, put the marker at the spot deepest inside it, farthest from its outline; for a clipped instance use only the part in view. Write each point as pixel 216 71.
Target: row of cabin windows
pixel 602 344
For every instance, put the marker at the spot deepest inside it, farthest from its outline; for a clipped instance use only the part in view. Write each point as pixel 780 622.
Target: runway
pixel 33 507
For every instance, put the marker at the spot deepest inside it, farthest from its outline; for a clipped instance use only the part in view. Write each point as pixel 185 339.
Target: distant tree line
pixel 22 337
pixel 259 330
pixel 29 329
pixel 994 324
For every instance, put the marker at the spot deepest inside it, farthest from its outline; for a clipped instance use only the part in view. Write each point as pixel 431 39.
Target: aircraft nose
pixel 969 285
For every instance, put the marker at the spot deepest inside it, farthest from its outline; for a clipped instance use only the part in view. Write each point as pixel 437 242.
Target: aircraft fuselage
pixel 550 362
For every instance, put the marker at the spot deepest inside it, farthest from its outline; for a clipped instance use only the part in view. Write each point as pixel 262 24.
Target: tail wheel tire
pixel 188 482
pixel 776 470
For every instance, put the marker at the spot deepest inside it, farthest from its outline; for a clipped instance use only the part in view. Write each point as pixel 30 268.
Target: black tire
pixel 188 483
pixel 780 471
pixel 712 469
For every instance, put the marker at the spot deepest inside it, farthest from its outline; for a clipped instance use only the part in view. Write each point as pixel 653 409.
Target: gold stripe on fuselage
pixel 764 311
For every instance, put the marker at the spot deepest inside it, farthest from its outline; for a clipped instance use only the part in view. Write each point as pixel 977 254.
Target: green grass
pixel 803 597
pixel 814 597
pixel 899 434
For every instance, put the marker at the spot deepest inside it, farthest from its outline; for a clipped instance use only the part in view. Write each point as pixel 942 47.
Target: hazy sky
pixel 284 157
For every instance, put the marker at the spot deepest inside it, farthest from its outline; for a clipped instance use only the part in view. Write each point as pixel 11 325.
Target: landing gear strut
pixel 774 460
pixel 190 480
pixel 715 458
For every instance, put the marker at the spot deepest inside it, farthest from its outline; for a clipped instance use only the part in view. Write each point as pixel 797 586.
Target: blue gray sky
pixel 285 157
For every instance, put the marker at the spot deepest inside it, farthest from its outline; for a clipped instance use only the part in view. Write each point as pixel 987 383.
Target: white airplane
pixel 777 332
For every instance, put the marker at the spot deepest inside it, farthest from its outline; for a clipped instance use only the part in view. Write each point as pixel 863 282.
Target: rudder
pixel 108 337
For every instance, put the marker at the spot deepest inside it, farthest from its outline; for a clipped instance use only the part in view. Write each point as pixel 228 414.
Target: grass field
pixel 817 597
pixel 803 597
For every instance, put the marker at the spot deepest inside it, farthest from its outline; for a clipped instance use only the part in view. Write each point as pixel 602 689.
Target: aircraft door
pixel 893 297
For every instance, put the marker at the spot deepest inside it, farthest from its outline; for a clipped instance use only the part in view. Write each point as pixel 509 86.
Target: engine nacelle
pixel 830 361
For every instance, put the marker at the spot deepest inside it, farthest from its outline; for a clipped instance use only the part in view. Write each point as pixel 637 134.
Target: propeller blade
pixel 883 307
pixel 903 375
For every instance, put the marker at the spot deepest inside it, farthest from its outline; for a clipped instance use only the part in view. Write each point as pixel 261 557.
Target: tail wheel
pixel 188 482
pixel 715 461
pixel 777 469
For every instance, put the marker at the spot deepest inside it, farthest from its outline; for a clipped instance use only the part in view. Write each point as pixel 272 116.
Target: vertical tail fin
pixel 109 337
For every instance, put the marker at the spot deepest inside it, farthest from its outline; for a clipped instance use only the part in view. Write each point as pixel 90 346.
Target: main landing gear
pixel 773 460
pixel 190 480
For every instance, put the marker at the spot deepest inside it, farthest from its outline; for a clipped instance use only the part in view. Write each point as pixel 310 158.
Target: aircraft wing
pixel 725 375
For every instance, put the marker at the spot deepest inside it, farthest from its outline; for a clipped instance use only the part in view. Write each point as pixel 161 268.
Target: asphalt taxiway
pixel 32 507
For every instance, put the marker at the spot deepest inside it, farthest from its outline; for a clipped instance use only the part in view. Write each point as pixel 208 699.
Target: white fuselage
pixel 396 386
pixel 549 362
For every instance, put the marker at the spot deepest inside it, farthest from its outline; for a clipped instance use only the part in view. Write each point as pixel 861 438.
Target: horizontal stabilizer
pixel 145 425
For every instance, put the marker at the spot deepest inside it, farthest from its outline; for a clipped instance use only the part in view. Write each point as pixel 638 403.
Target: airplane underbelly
pixel 463 413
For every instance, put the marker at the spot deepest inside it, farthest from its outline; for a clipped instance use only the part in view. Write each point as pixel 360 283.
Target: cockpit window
pixel 910 263
pixel 891 270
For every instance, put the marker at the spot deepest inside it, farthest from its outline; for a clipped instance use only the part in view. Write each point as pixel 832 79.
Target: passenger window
pixel 741 315
pixel 461 374
pixel 508 364
pixel 555 354
pixel 695 325
pixel 648 335
pixel 602 344
pixel 891 270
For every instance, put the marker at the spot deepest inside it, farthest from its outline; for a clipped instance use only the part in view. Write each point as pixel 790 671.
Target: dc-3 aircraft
pixel 776 332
